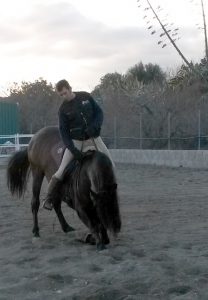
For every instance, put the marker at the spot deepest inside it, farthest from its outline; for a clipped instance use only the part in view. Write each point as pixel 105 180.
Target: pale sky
pixel 82 40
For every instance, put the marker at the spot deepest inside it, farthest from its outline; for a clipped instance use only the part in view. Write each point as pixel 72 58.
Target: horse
pixel 89 187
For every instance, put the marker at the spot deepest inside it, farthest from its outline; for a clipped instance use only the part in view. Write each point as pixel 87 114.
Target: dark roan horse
pixel 89 187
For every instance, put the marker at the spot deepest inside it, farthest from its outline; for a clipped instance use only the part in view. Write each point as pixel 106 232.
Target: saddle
pixel 57 151
pixel 74 166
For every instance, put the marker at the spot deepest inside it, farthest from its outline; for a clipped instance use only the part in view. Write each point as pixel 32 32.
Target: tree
pixel 185 77
pixel 148 74
pixel 38 104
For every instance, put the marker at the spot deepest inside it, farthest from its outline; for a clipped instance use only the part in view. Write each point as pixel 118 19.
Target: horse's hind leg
pixel 38 176
pixel 57 207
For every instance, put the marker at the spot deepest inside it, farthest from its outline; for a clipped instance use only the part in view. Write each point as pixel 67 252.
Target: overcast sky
pixel 82 40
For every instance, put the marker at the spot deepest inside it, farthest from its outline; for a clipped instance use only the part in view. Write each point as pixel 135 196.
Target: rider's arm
pixel 98 114
pixel 64 129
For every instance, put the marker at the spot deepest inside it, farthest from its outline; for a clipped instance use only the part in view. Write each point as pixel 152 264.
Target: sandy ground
pixel 161 252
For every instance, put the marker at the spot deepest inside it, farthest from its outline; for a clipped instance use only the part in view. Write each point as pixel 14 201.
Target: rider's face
pixel 66 94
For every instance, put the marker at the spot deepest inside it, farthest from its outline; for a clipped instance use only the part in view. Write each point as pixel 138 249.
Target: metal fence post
pixel 169 131
pixel 114 132
pixel 15 142
pixel 199 131
pixel 17 145
pixel 140 131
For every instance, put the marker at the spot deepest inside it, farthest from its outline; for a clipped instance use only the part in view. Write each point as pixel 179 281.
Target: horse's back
pixel 41 145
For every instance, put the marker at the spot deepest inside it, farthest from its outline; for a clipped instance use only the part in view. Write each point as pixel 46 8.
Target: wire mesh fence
pixel 143 140
pixel 186 143
pixel 171 139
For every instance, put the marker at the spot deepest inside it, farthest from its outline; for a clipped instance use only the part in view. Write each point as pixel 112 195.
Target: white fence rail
pixel 7 147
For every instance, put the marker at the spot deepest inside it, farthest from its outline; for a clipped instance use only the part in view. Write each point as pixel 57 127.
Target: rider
pixel 80 118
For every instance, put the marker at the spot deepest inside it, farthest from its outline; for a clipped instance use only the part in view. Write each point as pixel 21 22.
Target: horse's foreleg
pixel 57 207
pixel 89 219
pixel 104 235
pixel 38 176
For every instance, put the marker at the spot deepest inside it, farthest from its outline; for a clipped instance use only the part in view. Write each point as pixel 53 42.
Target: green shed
pixel 9 119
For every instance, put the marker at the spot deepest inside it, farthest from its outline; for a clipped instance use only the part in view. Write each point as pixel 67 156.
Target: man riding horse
pixel 80 120
pixel 90 188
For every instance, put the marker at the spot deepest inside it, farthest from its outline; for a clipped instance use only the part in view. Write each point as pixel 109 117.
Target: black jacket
pixel 75 115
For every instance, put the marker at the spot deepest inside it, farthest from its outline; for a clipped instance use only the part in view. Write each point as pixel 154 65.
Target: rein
pixel 92 139
pixel 78 169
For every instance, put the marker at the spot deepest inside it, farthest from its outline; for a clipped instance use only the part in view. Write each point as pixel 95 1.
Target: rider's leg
pixel 67 158
pixel 99 143
pixel 56 180
pixel 53 185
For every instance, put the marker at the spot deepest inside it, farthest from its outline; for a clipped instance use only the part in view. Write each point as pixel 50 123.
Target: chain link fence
pixel 169 140
pixel 141 140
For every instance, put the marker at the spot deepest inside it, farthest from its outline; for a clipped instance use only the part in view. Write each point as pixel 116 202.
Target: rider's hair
pixel 61 84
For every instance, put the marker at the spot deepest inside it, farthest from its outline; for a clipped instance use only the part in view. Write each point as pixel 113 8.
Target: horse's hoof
pixel 69 229
pixel 36 235
pixel 90 239
pixel 101 247
pixel 86 238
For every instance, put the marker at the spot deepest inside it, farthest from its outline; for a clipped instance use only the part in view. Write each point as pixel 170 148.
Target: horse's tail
pixel 17 172
pixel 108 209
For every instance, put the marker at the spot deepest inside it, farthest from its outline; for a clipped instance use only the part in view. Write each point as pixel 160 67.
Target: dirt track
pixel 161 253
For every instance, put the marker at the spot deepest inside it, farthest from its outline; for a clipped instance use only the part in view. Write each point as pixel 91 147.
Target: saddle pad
pixel 57 152
pixel 58 149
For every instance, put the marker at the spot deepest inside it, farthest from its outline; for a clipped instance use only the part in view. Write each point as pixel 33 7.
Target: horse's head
pixel 105 201
pixel 106 191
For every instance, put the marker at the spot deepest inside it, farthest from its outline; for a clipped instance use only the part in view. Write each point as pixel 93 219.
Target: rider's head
pixel 64 90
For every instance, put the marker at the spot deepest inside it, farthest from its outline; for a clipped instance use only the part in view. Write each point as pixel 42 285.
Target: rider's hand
pixel 78 155
pixel 90 130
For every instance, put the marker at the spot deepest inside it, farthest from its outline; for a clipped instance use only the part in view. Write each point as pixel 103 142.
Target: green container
pixel 9 119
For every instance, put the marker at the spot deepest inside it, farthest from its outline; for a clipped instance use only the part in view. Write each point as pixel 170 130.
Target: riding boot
pixel 52 188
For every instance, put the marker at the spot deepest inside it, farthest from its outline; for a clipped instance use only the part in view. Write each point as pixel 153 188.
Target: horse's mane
pixel 72 177
pixel 74 166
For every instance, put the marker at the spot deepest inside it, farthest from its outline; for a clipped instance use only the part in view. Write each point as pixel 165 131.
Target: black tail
pixel 17 172
pixel 108 209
